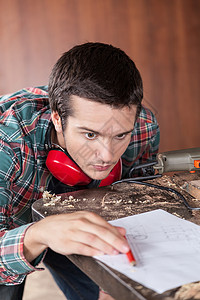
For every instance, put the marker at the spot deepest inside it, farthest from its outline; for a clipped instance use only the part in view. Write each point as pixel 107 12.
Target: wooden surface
pixel 193 188
pixel 119 201
pixel 161 36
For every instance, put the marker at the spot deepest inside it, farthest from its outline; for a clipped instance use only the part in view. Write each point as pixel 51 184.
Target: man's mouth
pixel 101 168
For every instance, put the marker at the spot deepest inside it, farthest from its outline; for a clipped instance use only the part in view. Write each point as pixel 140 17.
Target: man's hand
pixel 82 232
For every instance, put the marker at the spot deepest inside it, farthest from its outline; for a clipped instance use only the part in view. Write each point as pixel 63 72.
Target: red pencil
pixel 131 257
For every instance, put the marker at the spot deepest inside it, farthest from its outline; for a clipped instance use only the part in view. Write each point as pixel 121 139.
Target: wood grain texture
pixel 161 36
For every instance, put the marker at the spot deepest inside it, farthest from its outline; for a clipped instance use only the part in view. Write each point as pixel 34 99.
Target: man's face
pixel 96 135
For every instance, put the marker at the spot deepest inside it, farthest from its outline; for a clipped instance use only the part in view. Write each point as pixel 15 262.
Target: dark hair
pixel 95 71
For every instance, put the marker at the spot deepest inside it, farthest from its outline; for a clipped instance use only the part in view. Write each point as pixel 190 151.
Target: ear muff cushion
pixel 68 172
pixel 65 170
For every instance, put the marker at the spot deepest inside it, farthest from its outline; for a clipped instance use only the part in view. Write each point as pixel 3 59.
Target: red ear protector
pixel 67 171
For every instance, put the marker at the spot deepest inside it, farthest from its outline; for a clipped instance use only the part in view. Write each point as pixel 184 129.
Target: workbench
pixel 121 200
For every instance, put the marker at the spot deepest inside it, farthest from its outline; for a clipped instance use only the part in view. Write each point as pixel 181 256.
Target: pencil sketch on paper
pixel 166 248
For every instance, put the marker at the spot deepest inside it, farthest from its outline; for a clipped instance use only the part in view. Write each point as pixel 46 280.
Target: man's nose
pixel 105 151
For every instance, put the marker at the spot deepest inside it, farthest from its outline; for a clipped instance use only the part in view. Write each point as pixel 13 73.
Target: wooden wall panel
pixel 161 36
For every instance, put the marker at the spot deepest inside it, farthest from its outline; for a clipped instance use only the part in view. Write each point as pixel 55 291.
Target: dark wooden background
pixel 161 36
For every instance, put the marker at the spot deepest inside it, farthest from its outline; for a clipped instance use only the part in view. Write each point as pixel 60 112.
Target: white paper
pixel 166 248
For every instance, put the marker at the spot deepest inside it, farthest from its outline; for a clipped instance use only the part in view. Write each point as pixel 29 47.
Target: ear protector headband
pixel 64 168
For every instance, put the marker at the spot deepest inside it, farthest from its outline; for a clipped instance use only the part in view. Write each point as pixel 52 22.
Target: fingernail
pixel 125 249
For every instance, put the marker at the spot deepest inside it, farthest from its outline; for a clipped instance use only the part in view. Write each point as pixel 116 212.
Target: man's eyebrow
pixel 128 131
pixel 97 132
pixel 88 129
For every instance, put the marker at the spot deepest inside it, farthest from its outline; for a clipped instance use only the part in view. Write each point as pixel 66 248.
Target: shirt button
pixel 41 189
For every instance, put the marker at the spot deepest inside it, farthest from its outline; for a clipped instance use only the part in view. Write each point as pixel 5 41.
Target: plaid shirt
pixel 24 120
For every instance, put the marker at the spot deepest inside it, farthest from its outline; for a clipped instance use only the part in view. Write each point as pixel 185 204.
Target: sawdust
pixel 118 201
pixel 188 292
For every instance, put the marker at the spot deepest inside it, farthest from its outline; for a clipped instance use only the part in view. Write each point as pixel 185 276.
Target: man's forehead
pixel 114 125
pixel 77 100
pixel 103 115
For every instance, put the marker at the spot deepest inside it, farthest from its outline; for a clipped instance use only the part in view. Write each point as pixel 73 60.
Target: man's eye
pixel 90 135
pixel 121 136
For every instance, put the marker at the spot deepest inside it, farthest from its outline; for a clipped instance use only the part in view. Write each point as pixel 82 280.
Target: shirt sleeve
pixel 13 264
pixel 144 144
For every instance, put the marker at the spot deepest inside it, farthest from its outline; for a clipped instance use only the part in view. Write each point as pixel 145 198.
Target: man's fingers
pixel 83 249
pixel 101 235
pixel 62 232
pixel 95 242
pixel 121 230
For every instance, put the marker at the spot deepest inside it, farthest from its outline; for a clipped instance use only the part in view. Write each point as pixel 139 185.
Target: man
pixel 95 117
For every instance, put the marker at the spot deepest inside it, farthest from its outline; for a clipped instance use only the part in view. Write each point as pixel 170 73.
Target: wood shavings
pixel 188 292
pixel 177 215
pixel 51 198
pixel 121 199
pixel 111 198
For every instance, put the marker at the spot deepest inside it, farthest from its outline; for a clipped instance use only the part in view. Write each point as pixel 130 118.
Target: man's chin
pixel 98 175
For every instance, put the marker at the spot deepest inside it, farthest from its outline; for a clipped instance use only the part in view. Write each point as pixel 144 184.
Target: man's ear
pixel 56 121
